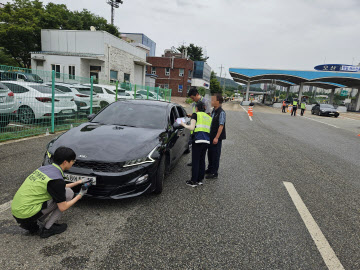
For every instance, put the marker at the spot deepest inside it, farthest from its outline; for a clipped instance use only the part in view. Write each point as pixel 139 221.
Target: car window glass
pixel 63 88
pixel 98 90
pixel 44 89
pixel 180 112
pixel 17 89
pixel 20 76
pixel 173 115
pixel 130 114
pixel 110 92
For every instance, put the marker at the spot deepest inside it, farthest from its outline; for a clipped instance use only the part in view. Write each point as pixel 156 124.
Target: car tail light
pixel 11 94
pixel 45 99
pixel 78 95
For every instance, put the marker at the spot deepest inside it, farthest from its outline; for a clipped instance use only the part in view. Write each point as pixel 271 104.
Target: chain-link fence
pixel 38 102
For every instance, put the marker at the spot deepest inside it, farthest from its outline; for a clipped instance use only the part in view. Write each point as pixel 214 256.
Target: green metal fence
pixel 41 102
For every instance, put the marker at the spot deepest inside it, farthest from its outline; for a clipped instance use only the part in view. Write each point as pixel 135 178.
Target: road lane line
pixel 327 253
pixel 319 121
pixel 5 206
pixel 247 113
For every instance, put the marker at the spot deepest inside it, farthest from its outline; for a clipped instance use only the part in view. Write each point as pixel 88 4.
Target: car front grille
pixel 111 167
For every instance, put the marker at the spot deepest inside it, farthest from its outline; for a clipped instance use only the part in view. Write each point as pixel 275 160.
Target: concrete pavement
pixel 244 220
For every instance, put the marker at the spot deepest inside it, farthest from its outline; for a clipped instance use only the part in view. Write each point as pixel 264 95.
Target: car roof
pixel 147 102
pixel 23 83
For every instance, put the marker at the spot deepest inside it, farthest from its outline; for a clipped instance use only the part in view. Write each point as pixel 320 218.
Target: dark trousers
pixel 214 154
pixel 283 108
pixel 294 111
pixel 302 112
pixel 198 161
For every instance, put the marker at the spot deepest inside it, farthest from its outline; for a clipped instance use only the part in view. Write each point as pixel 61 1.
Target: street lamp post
pixel 114 4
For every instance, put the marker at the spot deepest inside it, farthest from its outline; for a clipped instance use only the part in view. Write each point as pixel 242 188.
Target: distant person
pixel 196 97
pixel 284 106
pixel 217 135
pixel 303 107
pixel 44 196
pixel 200 124
pixel 294 108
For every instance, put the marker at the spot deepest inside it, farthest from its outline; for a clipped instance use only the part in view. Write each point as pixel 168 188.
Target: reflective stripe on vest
pixel 203 122
pixel 30 197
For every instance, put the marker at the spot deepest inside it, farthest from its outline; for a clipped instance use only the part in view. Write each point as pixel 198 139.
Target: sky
pixel 279 34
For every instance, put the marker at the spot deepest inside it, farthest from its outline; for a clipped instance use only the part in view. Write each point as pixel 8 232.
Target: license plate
pixel 2 99
pixel 67 111
pixel 75 177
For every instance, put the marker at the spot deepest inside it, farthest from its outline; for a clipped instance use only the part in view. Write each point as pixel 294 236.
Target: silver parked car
pixel 7 105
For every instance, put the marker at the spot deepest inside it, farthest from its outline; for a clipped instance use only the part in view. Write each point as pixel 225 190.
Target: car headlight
pixel 139 161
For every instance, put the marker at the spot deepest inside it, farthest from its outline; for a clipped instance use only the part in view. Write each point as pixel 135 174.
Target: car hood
pixel 108 142
pixel 328 109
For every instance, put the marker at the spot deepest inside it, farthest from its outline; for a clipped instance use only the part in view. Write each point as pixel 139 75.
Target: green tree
pixel 22 21
pixel 194 52
pixel 6 59
pixel 214 84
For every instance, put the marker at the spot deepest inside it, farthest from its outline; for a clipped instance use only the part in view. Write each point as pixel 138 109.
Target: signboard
pixel 344 93
pixel 337 67
pixel 206 84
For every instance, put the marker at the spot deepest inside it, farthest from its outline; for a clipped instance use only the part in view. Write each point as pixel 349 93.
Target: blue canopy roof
pixel 338 79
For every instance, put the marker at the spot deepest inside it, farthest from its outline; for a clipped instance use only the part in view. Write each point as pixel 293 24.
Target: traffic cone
pixel 250 111
pixel 47 132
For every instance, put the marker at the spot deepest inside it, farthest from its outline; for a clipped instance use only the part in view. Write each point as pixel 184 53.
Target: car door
pixel 184 133
pixel 174 145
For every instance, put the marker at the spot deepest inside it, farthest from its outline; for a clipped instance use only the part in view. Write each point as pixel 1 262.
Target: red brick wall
pixel 160 63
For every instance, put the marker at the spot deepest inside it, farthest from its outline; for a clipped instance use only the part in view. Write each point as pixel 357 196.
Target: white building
pixel 90 53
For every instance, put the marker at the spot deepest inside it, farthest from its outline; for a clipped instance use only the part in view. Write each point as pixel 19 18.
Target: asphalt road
pixel 244 220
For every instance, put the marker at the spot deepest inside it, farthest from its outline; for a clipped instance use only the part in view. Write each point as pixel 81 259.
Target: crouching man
pixel 44 196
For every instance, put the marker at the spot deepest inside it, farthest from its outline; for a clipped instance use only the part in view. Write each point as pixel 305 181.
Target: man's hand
pixel 215 141
pixel 85 180
pixel 83 191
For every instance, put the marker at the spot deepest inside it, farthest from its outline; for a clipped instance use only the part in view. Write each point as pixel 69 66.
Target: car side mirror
pixel 91 116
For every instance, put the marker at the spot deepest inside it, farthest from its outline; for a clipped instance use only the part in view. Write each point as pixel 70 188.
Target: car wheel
pixel 26 115
pixel 4 120
pixel 319 113
pixel 336 116
pixel 312 112
pixel 103 104
pixel 160 175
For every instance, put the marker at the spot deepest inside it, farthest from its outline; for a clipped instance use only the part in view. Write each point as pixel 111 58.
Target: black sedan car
pixel 325 109
pixel 126 148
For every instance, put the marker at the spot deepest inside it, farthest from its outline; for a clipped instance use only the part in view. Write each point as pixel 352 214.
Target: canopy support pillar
pixel 301 91
pixel 331 99
pixel 287 92
pixel 247 91
pixel 357 102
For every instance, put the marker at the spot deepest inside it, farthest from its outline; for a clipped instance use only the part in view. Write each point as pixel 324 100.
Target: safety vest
pixel 295 103
pixel 194 111
pixel 203 122
pixel 30 197
pixel 303 105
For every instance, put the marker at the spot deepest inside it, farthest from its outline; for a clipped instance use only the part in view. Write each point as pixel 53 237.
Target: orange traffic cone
pixel 250 111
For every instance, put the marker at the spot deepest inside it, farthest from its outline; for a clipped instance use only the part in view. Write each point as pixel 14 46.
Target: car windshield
pixel 130 114
pixel 45 89
pixel 328 106
pixel 34 78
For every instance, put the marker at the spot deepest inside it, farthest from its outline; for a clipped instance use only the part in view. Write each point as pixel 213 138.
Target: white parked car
pixel 34 101
pixel 7 105
pixel 81 96
pixel 152 95
pixel 105 92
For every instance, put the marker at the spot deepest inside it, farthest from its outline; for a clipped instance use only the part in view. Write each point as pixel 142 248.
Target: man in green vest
pixel 303 107
pixel 44 195
pixel 295 104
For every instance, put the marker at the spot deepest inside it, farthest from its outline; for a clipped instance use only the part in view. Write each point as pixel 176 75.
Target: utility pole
pixel 221 68
pixel 114 4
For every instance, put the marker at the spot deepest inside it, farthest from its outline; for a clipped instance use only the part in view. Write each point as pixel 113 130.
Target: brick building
pixel 173 71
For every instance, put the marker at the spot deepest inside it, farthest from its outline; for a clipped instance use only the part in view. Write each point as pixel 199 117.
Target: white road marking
pixel 5 206
pixel 318 121
pixel 327 253
pixel 246 112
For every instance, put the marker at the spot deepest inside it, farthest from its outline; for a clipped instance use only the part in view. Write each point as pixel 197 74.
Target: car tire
pixel 319 113
pixel 160 176
pixel 26 115
pixel 336 116
pixel 312 112
pixel 103 104
pixel 4 120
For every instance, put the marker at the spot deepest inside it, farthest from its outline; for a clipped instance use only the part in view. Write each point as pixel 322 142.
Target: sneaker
pixel 191 183
pixel 200 183
pixel 207 172
pixel 55 229
pixel 189 164
pixel 212 176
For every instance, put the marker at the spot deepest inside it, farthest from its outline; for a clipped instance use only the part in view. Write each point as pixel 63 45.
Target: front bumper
pixel 119 185
pixel 330 113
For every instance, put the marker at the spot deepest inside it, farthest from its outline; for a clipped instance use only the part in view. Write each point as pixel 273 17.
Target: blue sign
pixel 337 67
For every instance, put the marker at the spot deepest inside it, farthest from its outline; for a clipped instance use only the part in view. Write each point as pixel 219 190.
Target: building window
pixel 56 68
pixel 126 77
pixel 72 72
pixel 167 71
pixel 190 73
pixel 113 75
pixel 166 86
pixel 181 72
pixel 153 70
pixel 180 88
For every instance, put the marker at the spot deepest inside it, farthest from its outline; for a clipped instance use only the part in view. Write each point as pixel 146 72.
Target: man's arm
pixel 71 185
pixel 63 206
pixel 216 139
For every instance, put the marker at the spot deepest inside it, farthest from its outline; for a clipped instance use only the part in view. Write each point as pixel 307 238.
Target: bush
pixel 189 101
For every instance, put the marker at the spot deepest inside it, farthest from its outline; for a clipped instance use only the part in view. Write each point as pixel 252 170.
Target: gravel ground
pixel 243 220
